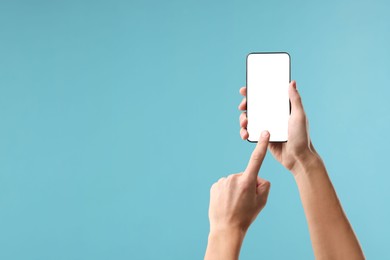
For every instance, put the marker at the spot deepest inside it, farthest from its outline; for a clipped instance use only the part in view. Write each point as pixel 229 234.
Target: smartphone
pixel 268 105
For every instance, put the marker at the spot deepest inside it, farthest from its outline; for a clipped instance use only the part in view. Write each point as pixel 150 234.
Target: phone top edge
pixel 269 52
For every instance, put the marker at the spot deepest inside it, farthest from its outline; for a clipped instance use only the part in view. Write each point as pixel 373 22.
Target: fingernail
pixel 294 85
pixel 264 134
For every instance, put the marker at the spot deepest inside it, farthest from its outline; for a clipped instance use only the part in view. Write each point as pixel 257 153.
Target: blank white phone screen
pixel 268 106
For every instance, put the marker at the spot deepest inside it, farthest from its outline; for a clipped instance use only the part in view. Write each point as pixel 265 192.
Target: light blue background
pixel 117 116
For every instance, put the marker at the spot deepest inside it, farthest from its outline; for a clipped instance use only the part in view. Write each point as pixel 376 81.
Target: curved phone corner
pixel 249 141
pixel 249 54
pixel 288 54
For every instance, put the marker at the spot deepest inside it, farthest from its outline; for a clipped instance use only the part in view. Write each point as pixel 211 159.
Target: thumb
pixel 262 191
pixel 295 98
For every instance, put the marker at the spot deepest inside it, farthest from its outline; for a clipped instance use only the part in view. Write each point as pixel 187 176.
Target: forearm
pixel 330 231
pixel 224 244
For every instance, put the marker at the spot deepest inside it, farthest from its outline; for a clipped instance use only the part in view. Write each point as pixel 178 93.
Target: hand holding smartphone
pixel 268 104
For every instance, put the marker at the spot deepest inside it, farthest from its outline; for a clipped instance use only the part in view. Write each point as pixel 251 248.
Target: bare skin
pixel 331 234
pixel 235 202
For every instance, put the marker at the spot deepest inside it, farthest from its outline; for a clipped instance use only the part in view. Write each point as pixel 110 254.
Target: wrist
pixel 232 237
pixel 235 234
pixel 306 163
pixel 224 243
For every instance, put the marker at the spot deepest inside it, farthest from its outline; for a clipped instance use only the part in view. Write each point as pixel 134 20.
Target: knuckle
pixel 265 186
pixel 232 179
pixel 235 177
pixel 231 176
pixel 244 186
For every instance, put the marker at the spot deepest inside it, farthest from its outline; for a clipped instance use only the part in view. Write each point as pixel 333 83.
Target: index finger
pixel 257 156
